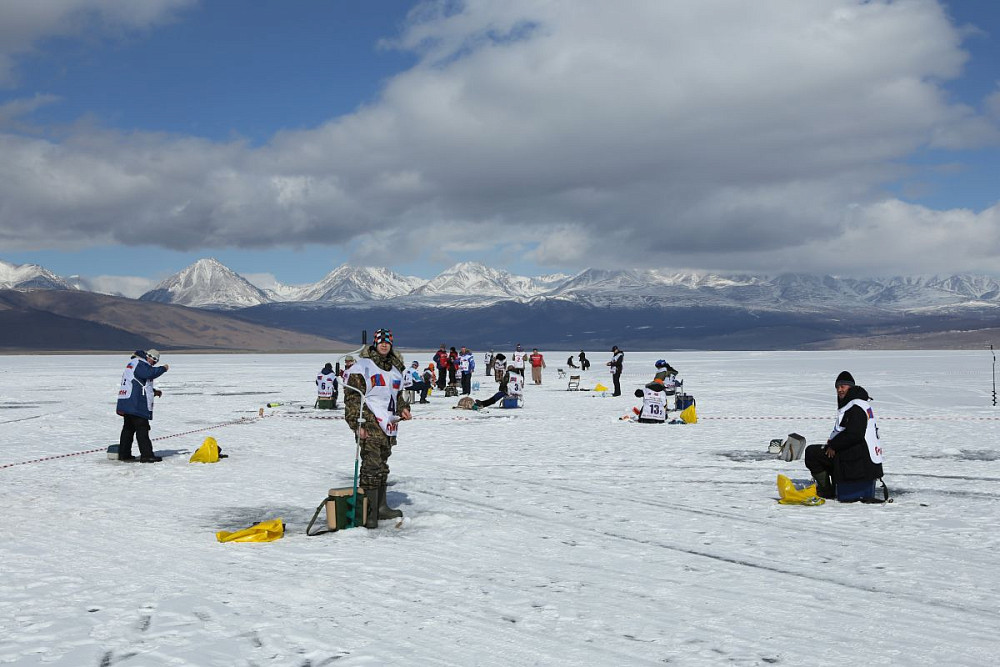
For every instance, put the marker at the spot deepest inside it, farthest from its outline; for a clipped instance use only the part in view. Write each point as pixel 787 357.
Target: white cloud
pixel 23 23
pixel 130 286
pixel 639 134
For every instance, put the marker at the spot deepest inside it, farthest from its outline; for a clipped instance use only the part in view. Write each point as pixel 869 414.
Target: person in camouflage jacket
pixel 378 376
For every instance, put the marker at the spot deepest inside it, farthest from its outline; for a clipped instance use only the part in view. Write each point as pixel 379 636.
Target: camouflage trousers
pixel 376 449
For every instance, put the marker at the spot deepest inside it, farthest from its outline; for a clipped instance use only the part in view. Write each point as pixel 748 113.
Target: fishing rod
pixel 994 375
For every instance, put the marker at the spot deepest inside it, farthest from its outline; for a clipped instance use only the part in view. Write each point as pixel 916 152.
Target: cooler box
pixel 848 492
pixel 683 402
pixel 511 402
pixel 337 507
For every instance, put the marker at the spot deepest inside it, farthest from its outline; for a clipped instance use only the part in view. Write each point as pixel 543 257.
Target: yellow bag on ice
pixel 265 531
pixel 688 415
pixel 600 387
pixel 207 453
pixel 792 495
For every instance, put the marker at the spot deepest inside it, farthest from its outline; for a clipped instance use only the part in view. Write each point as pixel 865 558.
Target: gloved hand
pixel 157 393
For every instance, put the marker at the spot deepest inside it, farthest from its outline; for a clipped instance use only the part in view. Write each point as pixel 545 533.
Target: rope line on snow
pixel 700 417
pixel 241 420
pixel 250 420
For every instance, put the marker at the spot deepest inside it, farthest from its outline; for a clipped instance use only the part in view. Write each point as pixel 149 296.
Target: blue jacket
pixel 135 395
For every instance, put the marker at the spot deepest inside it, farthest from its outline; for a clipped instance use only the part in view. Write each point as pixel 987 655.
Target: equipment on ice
pixel 792 495
pixel 792 447
pixel 265 531
pixel 208 452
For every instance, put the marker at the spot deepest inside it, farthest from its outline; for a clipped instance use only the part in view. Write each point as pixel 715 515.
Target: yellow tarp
pixel 265 531
pixel 791 495
pixel 600 387
pixel 207 453
pixel 688 415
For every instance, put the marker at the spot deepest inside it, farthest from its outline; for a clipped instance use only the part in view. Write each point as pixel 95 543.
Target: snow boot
pixel 384 511
pixel 824 485
pixel 371 517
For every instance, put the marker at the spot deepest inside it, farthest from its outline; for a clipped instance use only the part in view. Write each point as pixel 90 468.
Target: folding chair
pixel 574 383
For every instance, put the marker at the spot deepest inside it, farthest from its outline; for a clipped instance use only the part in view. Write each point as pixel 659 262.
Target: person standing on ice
pixel 518 359
pixel 853 453
pixel 537 362
pixel 135 404
pixel 617 359
pixel 378 376
pixel 467 364
pixel 441 360
pixel 584 362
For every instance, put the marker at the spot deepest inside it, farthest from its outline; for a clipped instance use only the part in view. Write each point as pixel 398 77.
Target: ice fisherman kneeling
pixel 654 403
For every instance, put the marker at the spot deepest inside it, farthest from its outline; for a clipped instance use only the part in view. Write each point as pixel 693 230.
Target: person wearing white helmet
pixel 135 404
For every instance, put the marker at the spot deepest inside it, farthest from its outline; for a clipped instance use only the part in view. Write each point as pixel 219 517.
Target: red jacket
pixel 537 360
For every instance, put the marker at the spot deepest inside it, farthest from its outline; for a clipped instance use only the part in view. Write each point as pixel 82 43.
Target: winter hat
pixel 416 364
pixel 382 336
pixel 328 367
pixel 661 363
pixel 153 354
pixel 519 348
pixel 349 358
pixel 844 378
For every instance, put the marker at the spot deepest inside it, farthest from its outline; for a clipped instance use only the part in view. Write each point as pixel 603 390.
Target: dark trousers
pixel 466 383
pixel 493 399
pixel 442 377
pixel 616 378
pixel 422 388
pixel 817 461
pixel 138 428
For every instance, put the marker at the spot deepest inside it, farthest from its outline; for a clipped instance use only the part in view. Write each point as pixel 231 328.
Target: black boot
pixel 371 517
pixel 824 485
pixel 384 511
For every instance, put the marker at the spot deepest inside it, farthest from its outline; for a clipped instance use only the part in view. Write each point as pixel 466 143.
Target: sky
pixel 286 138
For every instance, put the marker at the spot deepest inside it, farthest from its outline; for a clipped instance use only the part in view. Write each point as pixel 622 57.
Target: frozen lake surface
pixel 556 534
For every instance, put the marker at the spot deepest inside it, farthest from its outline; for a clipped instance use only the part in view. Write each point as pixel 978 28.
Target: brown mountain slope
pixel 72 320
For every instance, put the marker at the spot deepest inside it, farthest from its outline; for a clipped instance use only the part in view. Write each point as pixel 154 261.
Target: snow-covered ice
pixel 552 535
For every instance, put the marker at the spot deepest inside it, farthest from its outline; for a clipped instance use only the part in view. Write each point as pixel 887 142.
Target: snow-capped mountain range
pixel 30 276
pixel 209 284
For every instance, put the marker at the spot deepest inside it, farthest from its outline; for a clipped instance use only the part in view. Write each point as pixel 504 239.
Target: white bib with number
pixel 381 388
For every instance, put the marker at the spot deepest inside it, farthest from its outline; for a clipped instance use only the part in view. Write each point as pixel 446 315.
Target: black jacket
pixel 853 462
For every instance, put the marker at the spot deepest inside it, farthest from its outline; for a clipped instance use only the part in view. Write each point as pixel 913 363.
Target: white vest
pixel 381 388
pixel 515 384
pixel 125 388
pixel 654 405
pixel 411 375
pixel 517 359
pixel 871 429
pixel 325 384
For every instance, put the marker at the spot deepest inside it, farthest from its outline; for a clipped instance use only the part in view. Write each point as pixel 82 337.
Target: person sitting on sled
pixel 853 453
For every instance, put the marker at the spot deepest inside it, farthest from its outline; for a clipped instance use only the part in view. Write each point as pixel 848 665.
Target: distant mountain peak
pixel 29 276
pixel 208 283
